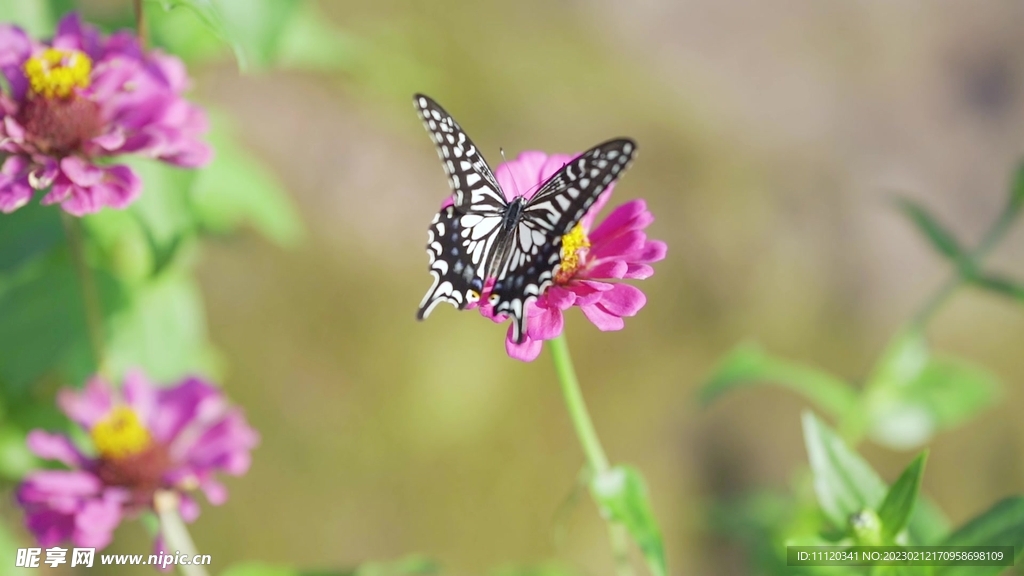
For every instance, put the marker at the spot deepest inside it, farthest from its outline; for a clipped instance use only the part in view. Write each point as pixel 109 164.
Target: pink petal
pixel 15 191
pixel 14 130
pixel 55 447
pixel 87 406
pixel 603 320
pixel 607 269
pixel 110 141
pixel 60 192
pixel 140 395
pixel 653 251
pixel 618 246
pixel 559 297
pixel 632 215
pixel 547 324
pixel 526 352
pixel 638 271
pixel 95 524
pixel 188 508
pixel 623 300
pixel 43 485
pixel 215 492
pixel 50 527
pixel 81 172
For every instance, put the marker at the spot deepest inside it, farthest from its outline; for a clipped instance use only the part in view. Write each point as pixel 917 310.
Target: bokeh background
pixel 773 138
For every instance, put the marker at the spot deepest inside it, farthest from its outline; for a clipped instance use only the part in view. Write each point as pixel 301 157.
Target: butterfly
pixel 516 242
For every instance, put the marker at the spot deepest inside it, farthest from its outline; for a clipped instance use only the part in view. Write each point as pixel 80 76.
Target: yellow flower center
pixel 572 244
pixel 56 73
pixel 120 434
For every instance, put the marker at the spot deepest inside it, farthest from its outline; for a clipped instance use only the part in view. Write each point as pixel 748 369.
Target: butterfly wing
pixel 461 236
pixel 551 213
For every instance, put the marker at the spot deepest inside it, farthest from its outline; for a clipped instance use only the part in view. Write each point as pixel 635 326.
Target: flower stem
pixel 991 238
pixel 90 295
pixel 141 31
pixel 597 461
pixel 175 533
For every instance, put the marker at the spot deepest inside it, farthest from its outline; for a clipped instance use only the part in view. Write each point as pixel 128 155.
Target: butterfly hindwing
pixel 552 212
pixel 456 279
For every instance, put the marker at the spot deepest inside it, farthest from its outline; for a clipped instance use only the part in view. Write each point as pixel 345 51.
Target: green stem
pixel 90 295
pixel 989 241
pixel 175 533
pixel 585 431
pixel 141 31
pixel 597 461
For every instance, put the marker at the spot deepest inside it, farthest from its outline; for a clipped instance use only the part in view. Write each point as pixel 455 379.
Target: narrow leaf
pixel 1000 285
pixel 1001 525
pixel 941 239
pixel 899 502
pixel 621 495
pixel 1017 191
pixel 844 483
pixel 748 366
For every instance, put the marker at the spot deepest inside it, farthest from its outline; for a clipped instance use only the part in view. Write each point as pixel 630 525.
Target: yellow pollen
pixel 572 244
pixel 120 434
pixel 56 73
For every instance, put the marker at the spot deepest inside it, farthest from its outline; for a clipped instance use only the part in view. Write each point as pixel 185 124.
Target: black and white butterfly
pixel 517 243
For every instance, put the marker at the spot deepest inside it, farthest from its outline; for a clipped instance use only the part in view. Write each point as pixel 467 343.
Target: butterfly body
pixel 516 242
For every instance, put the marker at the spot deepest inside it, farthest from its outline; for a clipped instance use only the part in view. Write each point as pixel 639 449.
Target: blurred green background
pixel 772 138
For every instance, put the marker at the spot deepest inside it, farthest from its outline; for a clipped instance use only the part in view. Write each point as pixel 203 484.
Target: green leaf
pixel 1001 525
pixel 163 331
pixel 947 392
pixel 28 233
pixel 621 495
pixel 44 318
pixel 928 524
pixel 940 238
pixel 213 18
pixel 899 502
pixel 999 285
pixel 748 365
pixel 257 27
pixel 236 188
pixel 844 483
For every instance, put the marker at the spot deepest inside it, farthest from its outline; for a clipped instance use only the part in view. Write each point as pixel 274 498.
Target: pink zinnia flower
pixel 616 249
pixel 83 97
pixel 144 440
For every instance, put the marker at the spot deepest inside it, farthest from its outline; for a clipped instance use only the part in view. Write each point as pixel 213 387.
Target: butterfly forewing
pixel 462 236
pixel 552 212
pixel 470 177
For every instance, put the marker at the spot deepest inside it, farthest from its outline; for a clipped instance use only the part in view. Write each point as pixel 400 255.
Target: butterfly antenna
pixel 504 160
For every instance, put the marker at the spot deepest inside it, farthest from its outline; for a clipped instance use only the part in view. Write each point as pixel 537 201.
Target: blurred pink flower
pixel 616 249
pixel 80 98
pixel 145 439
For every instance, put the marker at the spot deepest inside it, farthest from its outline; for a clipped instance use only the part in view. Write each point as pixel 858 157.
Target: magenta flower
pixel 617 249
pixel 84 97
pixel 144 440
